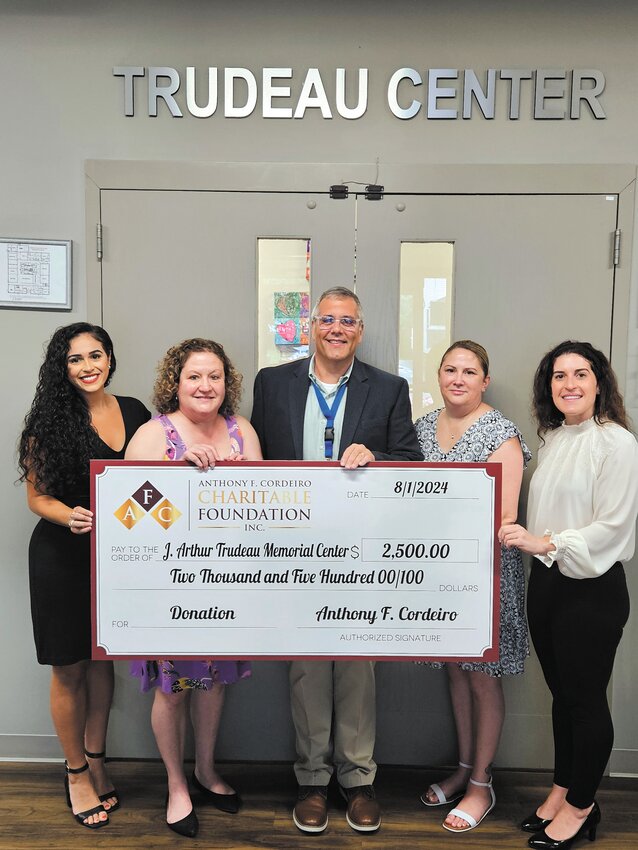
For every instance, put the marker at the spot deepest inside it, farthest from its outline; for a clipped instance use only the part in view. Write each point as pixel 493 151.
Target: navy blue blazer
pixel 378 413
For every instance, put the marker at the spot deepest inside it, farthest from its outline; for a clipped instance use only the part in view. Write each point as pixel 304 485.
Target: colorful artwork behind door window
pixel 292 318
pixel 284 303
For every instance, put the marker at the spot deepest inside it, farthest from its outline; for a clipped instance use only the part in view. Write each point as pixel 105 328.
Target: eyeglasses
pixel 346 322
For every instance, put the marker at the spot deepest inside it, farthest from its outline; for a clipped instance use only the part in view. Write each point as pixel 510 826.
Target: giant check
pixel 264 560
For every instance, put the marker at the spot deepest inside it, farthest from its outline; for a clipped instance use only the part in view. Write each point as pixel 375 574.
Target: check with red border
pixel 295 560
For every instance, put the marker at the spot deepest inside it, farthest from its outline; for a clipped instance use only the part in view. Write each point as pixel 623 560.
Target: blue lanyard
pixel 330 414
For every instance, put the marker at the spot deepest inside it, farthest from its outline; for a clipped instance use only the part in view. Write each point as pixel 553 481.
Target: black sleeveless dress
pixel 59 567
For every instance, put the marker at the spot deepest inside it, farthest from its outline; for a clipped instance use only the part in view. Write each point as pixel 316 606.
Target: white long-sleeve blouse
pixel 585 494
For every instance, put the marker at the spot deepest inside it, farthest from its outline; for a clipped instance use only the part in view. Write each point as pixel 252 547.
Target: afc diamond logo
pixel 166 514
pixel 147 496
pixel 147 499
pixel 129 514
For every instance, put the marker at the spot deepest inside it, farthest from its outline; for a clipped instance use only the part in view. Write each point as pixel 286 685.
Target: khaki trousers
pixel 334 712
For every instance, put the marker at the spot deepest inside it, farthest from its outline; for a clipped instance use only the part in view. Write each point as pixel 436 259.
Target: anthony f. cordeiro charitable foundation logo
pixel 147 500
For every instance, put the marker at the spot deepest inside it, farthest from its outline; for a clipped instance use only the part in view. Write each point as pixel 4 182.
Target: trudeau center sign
pixel 434 94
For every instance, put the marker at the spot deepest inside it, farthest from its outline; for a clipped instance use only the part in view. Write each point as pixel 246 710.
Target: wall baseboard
pixel 30 748
pixel 624 763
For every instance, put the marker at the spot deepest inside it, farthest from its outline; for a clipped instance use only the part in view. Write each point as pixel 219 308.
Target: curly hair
pixel 58 440
pixel 477 350
pixel 609 405
pixel 170 368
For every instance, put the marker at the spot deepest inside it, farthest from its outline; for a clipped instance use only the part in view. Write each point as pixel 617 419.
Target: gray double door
pixel 529 271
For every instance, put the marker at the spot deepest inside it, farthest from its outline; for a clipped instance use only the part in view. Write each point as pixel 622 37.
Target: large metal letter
pixel 230 75
pixel 544 92
pixel 306 99
pixel 270 91
pixel 155 91
pixel 393 92
pixel 516 75
pixel 128 72
pixel 191 102
pixel 362 96
pixel 588 94
pixel 485 100
pixel 434 92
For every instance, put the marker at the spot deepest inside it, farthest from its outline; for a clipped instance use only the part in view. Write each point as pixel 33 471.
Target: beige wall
pixel 61 106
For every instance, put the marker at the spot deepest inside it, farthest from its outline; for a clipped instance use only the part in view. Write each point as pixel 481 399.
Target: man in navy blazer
pixel 332 406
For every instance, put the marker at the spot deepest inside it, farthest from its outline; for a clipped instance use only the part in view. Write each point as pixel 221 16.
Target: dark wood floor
pixel 33 814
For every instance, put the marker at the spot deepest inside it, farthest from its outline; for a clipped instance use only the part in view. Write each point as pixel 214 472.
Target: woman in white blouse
pixel 581 527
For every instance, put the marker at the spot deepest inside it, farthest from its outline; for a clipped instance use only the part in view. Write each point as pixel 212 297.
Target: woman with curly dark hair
pixel 581 522
pixel 196 393
pixel 608 404
pixel 72 419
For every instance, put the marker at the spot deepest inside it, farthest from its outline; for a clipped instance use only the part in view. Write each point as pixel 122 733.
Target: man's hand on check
pixel 356 455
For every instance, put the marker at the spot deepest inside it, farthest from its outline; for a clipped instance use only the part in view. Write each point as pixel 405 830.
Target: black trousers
pixel 576 625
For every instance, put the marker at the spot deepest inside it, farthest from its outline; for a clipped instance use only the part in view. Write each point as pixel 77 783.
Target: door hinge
pixel 98 241
pixel 617 246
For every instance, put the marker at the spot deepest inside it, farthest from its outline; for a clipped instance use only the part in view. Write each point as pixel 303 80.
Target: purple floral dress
pixel 174 676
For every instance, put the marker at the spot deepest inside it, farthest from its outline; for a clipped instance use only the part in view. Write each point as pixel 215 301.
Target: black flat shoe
pixel 228 803
pixel 82 816
pixel 534 823
pixel 542 841
pixel 188 826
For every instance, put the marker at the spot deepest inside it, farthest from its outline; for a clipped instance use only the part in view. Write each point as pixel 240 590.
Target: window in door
pixel 425 317
pixel 283 299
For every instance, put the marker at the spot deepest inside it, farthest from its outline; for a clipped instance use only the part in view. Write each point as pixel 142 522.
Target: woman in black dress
pixel 72 419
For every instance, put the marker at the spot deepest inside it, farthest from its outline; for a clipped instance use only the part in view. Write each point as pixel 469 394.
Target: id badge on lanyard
pixel 330 412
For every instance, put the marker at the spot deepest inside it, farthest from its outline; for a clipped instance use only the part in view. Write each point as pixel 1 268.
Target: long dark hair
pixel 58 439
pixel 609 405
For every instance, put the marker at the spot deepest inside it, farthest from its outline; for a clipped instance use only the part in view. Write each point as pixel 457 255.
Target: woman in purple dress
pixel 196 392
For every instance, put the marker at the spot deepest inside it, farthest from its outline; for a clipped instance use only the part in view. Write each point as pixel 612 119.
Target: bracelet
pixel 70 523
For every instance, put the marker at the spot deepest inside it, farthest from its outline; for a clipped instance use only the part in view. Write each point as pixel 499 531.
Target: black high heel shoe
pixel 188 826
pixel 542 841
pixel 228 803
pixel 534 823
pixel 82 816
pixel 113 793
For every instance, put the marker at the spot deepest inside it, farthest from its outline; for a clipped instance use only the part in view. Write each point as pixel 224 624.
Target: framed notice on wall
pixel 35 274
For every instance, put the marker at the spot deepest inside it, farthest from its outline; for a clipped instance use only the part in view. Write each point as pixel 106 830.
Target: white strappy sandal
pixel 440 796
pixel 472 822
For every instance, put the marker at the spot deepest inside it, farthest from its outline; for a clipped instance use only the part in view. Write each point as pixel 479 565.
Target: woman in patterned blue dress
pixel 466 430
pixel 196 393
